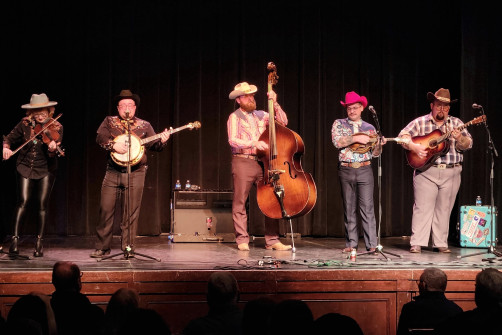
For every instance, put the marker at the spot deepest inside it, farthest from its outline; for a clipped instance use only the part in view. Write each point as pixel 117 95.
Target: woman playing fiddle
pixel 36 163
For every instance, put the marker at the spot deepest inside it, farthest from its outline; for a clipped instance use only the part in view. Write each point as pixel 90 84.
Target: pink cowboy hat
pixel 352 97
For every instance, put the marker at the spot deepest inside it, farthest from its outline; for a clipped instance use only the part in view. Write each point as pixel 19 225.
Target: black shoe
pixel 39 249
pixel 98 253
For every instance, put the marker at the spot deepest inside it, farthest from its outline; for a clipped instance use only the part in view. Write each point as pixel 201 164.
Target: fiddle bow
pixel 44 128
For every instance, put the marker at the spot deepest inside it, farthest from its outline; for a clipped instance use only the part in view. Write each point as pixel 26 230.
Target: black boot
pixel 13 246
pixel 39 252
pixel 15 236
pixel 39 249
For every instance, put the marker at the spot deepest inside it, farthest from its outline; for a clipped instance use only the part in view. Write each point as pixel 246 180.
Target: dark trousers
pixel 357 188
pixel 114 189
pixel 246 172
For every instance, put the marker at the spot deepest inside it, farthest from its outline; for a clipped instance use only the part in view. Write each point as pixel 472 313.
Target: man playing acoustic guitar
pixel 435 187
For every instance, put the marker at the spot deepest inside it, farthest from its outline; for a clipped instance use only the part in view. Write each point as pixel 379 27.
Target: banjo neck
pixel 170 131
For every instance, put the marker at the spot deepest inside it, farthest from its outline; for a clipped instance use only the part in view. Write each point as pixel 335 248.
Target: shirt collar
pixel 358 123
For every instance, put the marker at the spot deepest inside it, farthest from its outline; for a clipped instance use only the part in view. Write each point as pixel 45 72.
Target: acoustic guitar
pixel 137 148
pixel 364 148
pixel 436 144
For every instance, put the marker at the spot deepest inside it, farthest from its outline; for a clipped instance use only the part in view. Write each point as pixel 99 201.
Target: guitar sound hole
pixel 433 144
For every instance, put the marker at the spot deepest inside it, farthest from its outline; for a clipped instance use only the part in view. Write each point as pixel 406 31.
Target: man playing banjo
pixel 111 137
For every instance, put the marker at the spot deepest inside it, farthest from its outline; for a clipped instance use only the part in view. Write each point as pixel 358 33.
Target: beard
pixel 440 116
pixel 248 106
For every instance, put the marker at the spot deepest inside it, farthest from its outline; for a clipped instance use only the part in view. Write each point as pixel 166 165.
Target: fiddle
pixel 50 133
pixel 46 125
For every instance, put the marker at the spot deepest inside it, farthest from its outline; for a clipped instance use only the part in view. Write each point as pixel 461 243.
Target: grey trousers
pixel 435 192
pixel 357 188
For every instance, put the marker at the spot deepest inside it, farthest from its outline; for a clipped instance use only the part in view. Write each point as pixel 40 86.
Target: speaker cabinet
pixel 202 216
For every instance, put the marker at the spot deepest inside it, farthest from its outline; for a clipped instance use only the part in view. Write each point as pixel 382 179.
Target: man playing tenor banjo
pixel 110 137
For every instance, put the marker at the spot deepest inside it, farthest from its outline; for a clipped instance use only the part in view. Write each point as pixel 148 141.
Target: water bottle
pixel 178 185
pixel 187 185
pixel 478 201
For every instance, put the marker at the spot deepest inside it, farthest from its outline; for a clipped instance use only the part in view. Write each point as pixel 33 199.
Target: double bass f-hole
pixel 290 172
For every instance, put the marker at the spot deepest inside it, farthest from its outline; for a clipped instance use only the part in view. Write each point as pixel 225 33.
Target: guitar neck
pixel 448 133
pixel 157 136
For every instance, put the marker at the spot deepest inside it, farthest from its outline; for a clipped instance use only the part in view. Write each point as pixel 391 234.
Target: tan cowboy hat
pixel 242 89
pixel 127 94
pixel 39 101
pixel 442 95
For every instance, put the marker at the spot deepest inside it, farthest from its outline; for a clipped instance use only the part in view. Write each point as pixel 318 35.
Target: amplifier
pixel 476 227
pixel 202 216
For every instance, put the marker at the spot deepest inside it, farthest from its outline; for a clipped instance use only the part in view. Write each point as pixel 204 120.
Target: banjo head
pixel 136 151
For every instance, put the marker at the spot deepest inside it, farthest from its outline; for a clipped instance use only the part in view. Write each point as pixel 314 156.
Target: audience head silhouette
pixel 145 321
pixel 433 280
pixel 256 315
pixel 344 324
pixel 66 277
pixel 31 314
pixel 291 317
pixel 222 289
pixel 123 301
pixel 121 306
pixel 488 291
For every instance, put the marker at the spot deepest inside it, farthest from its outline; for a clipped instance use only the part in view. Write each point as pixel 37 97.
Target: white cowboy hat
pixel 39 101
pixel 242 89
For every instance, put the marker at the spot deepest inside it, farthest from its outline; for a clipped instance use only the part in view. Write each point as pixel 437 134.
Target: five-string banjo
pixel 137 149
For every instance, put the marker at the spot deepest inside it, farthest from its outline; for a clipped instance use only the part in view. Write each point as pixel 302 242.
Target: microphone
pixel 127 114
pixel 372 110
pixel 476 106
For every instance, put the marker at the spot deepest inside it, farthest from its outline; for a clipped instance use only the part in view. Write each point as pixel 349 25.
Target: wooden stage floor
pixel 372 289
pixel 311 254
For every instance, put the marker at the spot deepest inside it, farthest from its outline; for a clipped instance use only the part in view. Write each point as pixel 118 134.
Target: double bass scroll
pixel 284 180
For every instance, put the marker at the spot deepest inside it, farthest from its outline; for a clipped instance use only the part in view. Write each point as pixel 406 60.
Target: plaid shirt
pixel 345 127
pixel 244 128
pixel 426 124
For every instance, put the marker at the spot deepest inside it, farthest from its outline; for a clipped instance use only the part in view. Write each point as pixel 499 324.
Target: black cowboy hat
pixel 127 94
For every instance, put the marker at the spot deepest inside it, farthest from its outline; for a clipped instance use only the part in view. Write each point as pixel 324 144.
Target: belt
pixel 253 157
pixel 355 165
pixel 446 166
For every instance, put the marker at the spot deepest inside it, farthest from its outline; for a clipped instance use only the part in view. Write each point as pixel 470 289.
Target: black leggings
pixel 37 191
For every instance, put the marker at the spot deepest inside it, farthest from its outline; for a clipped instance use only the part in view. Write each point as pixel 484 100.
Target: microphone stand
pixel 128 252
pixel 379 247
pixel 493 242
pixel 14 256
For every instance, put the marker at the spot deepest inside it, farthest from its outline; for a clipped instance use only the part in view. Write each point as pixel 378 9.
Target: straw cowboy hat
pixel 39 101
pixel 127 94
pixel 352 97
pixel 242 89
pixel 442 95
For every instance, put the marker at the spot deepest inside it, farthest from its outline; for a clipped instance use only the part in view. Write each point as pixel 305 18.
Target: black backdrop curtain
pixel 184 57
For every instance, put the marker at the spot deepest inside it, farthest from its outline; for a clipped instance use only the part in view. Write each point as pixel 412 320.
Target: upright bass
pixel 285 190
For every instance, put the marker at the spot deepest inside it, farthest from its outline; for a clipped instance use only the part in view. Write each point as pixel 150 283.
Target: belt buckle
pixel 355 165
pixel 441 166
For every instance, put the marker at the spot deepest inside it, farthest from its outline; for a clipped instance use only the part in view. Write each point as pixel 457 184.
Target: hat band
pixel 40 104
pixel 443 99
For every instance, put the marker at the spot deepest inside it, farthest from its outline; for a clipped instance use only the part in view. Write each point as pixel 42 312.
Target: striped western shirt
pixel 426 124
pixel 243 128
